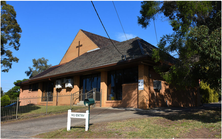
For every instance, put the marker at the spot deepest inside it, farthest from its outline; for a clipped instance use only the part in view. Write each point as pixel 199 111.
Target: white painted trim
pixel 93 50
pixel 78 115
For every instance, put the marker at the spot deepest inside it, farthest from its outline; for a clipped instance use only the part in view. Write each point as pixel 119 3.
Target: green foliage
pixel 10 35
pixel 39 65
pixel 209 51
pixel 208 95
pixel 14 92
pixel 5 100
pixel 149 9
pixel 2 92
pixel 196 41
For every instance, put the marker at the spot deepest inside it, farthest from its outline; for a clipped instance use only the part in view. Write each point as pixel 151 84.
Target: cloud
pixel 122 37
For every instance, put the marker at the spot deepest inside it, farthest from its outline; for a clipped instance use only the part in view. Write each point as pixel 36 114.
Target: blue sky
pixel 49 27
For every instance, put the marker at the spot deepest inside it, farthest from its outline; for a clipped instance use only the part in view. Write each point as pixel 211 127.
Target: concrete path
pixel 32 127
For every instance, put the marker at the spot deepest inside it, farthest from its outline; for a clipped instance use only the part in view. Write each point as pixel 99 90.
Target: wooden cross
pixel 78 47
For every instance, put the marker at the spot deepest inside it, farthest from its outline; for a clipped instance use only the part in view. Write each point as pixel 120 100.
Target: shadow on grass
pixel 80 126
pixel 202 114
pixel 28 108
pixel 8 113
pixel 77 127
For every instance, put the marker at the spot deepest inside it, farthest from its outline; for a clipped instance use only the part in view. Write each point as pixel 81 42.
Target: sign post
pixel 78 115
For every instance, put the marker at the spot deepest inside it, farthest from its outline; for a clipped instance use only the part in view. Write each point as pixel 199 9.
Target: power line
pixel 155 31
pixel 119 19
pixel 105 28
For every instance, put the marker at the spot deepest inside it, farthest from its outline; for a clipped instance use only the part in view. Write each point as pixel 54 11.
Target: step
pixel 80 103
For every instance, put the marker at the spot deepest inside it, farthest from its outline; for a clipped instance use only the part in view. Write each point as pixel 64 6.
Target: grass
pixel 30 111
pixel 36 109
pixel 201 124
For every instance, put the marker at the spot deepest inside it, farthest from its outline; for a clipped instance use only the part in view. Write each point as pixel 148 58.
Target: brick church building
pixel 124 79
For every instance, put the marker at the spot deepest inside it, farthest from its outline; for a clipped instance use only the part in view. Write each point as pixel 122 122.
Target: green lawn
pixel 203 124
pixel 30 111
pixel 36 109
pixel 41 110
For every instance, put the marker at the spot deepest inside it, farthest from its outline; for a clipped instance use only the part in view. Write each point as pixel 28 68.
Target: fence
pixel 37 106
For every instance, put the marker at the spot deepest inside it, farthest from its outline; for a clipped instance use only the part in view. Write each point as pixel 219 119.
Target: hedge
pixel 208 95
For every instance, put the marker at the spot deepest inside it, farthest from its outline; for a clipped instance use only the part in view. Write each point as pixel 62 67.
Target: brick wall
pixel 25 94
pixel 72 51
pixel 168 95
pixel 129 96
pixel 63 95
pixel 171 95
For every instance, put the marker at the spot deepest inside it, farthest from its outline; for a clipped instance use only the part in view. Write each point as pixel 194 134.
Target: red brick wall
pixel 25 95
pixel 34 97
pixel 182 98
pixel 174 97
pixel 129 97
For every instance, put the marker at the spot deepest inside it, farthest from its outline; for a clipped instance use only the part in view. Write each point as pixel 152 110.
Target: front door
pixel 89 82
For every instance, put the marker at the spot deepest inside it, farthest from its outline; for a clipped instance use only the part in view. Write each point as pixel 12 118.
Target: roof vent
pixel 123 57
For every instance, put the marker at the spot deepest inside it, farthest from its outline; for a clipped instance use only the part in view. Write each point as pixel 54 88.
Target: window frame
pixel 123 79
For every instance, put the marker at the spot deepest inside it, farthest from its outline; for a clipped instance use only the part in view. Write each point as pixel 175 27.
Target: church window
pixel 117 78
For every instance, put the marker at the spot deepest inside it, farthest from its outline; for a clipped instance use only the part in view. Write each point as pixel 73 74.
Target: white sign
pixel 78 115
pixel 141 84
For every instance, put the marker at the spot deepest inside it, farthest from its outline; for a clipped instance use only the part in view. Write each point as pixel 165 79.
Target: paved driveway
pixel 29 128
pixel 32 127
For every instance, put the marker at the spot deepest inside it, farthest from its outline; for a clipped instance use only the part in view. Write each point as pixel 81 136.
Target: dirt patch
pixel 100 130
pixel 194 132
pixel 164 122
pixel 201 133
pixel 99 127
pixel 110 132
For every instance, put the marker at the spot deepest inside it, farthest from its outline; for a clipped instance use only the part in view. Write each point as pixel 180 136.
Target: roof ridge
pixel 96 35
pixel 135 38
pixel 131 39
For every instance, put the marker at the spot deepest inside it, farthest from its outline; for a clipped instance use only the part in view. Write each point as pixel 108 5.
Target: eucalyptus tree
pixel 196 41
pixel 10 36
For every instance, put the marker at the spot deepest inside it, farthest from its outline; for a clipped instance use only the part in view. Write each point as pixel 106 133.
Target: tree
pixel 39 65
pixel 5 100
pixel 14 92
pixel 2 92
pixel 196 41
pixel 10 36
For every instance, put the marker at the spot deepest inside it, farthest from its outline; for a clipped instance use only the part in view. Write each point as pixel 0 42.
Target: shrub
pixel 5 100
pixel 208 95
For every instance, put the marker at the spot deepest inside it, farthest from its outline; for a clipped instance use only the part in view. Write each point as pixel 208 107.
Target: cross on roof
pixel 79 47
